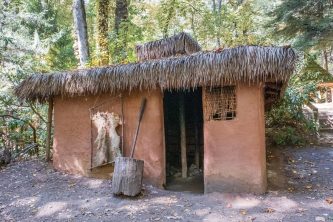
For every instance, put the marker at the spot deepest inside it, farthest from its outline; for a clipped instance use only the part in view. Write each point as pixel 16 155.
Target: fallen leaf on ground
pixel 329 200
pixel 72 184
pixel 291 189
pixel 301 210
pixel 269 210
pixel 243 212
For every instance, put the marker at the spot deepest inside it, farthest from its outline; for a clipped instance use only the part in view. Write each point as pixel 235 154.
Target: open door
pixel 183 121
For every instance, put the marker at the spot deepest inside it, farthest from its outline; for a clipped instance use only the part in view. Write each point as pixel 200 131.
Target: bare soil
pixel 300 189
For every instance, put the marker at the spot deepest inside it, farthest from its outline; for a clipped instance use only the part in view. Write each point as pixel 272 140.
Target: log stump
pixel 5 157
pixel 127 176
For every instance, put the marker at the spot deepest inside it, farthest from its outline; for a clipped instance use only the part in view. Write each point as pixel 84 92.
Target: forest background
pixel 41 36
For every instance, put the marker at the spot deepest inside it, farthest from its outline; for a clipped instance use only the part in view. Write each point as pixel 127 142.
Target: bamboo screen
pixel 220 103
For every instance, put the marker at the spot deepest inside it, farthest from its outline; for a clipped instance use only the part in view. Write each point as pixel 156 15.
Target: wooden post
pixel 49 130
pixel 182 135
pixel 123 125
pixel 196 128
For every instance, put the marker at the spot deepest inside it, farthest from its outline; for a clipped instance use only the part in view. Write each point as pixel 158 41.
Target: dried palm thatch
pixel 248 64
pixel 180 44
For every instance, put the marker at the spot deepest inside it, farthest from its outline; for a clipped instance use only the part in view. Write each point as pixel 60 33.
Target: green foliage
pixel 31 40
pixel 37 36
pixel 286 122
pixel 122 44
pixel 307 24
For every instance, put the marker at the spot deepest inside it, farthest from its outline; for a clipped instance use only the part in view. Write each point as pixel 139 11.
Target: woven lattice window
pixel 220 103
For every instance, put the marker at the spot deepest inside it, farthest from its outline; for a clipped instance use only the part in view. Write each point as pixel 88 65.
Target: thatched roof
pixel 249 64
pixel 180 44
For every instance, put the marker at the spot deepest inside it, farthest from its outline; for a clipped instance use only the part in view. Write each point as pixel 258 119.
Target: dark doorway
pixel 187 106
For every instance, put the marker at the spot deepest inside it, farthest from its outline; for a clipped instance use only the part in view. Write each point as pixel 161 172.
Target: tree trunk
pixel 49 131
pixel 5 157
pixel 171 13
pixel 121 15
pixel 103 7
pixel 325 60
pixel 80 29
pixel 127 176
pixel 183 135
pixel 217 10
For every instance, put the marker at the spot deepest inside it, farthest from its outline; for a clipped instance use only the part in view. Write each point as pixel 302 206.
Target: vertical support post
pixel 196 128
pixel 182 135
pixel 123 125
pixel 49 130
pixel 91 140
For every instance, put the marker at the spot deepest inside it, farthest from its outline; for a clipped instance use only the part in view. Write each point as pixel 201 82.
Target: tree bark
pixel 121 15
pixel 5 156
pixel 49 131
pixel 325 59
pixel 103 7
pixel 171 13
pixel 81 33
pixel 217 10
pixel 183 135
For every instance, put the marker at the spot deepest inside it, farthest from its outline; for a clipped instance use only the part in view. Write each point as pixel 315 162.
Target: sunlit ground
pixel 300 189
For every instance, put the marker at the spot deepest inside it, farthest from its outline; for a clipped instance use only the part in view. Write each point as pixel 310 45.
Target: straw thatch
pixel 249 64
pixel 180 44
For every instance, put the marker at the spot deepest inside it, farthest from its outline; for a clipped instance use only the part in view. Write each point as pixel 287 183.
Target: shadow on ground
pixel 300 188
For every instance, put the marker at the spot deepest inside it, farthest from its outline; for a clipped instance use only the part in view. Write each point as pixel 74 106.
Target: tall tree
pixel 103 8
pixel 217 11
pixel 121 29
pixel 121 13
pixel 168 12
pixel 80 28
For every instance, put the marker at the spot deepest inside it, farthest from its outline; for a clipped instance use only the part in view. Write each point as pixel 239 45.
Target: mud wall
pixel 234 150
pixel 72 133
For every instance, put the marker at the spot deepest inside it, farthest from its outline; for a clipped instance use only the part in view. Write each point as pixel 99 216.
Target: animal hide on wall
pixel 107 141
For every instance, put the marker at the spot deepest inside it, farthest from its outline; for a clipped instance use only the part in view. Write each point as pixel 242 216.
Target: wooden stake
pixel 182 135
pixel 49 130
pixel 196 128
pixel 142 109
pixel 91 141
pixel 123 125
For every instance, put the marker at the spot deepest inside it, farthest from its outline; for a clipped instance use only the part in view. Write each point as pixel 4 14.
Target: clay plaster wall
pixel 72 133
pixel 234 150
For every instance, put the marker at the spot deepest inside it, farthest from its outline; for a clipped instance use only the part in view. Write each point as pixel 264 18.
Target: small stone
pixel 319 219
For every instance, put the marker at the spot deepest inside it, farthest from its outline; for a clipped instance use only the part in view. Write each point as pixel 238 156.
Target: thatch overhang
pixel 247 64
pixel 180 44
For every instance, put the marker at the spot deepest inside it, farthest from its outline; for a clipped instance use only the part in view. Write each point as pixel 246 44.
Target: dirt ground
pixel 300 189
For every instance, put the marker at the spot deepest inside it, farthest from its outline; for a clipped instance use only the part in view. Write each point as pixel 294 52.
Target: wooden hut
pixel 204 110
